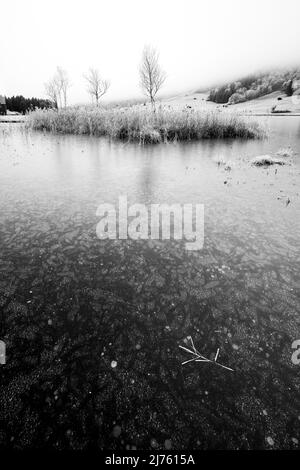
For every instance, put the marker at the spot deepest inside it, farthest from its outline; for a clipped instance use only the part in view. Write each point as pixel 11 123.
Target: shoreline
pixel 12 121
pixel 271 114
pixel 23 120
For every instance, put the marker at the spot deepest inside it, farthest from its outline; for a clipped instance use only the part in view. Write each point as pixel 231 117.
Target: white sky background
pixel 201 42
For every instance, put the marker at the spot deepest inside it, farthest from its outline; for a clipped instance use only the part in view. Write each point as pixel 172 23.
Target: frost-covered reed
pixel 141 124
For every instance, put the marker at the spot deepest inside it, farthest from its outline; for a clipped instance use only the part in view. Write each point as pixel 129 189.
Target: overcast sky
pixel 200 41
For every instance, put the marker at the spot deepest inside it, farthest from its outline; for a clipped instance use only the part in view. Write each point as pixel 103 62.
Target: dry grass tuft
pixel 266 160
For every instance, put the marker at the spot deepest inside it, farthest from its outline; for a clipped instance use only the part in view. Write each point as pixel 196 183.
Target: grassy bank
pixel 144 126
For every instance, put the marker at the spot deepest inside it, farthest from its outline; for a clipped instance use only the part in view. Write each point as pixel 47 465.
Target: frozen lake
pixel 92 328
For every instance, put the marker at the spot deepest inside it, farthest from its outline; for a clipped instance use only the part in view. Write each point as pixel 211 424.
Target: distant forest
pixel 256 85
pixel 23 105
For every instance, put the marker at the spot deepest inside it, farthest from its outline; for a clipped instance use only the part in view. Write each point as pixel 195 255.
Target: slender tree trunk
pixel 152 103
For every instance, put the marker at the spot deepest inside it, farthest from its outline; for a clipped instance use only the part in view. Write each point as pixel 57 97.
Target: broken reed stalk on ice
pixel 200 358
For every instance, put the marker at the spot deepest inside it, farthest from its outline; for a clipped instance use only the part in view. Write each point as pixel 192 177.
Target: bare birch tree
pixel 57 87
pixel 152 76
pixel 52 91
pixel 63 84
pixel 97 87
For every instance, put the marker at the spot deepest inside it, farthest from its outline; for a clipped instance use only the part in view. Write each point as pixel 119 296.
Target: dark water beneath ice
pixel 71 304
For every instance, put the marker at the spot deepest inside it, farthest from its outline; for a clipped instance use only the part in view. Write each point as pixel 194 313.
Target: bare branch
pixel 63 83
pixel 52 91
pixel 97 87
pixel 152 77
pixel 57 87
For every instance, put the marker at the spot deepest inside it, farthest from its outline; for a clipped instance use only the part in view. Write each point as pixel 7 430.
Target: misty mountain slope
pixel 263 93
pixel 276 102
pixel 256 85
